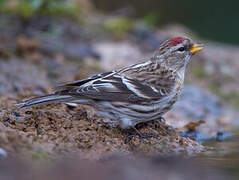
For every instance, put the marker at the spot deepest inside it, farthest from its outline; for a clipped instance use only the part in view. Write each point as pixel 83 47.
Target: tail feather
pixel 43 100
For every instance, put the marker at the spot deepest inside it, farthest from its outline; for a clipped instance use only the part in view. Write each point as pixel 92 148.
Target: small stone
pixel 5 123
pixel 196 135
pixel 3 154
pixel 17 114
pixel 71 105
pixel 221 136
pixel 40 132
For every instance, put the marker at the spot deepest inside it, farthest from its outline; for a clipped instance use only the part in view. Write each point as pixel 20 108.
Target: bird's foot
pixel 141 135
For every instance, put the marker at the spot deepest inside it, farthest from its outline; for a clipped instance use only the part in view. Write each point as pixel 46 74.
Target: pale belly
pixel 128 115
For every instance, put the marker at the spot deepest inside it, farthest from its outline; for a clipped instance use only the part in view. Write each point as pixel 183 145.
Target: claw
pixel 128 138
pixel 141 135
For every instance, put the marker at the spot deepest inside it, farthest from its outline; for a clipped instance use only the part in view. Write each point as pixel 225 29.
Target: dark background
pixel 213 19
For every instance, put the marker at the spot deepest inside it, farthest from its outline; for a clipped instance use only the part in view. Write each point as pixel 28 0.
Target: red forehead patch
pixel 175 41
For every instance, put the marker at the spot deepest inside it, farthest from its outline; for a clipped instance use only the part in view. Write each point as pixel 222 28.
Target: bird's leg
pixel 162 122
pixel 141 135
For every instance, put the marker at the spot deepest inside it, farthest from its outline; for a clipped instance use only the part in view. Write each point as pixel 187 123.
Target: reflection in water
pixel 223 155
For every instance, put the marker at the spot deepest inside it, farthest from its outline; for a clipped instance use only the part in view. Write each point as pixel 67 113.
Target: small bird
pixel 138 93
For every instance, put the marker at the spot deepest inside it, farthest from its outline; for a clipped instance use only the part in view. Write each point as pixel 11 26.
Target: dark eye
pixel 181 49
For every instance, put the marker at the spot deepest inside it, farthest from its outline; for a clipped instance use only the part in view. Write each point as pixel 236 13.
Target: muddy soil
pixel 58 129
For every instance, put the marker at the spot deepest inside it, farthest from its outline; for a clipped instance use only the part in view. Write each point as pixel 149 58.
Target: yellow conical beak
pixel 196 47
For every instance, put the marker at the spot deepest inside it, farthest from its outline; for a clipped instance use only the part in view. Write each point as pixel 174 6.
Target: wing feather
pixel 123 85
pixel 84 81
pixel 112 88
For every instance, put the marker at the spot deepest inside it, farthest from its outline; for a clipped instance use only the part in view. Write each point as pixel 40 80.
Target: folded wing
pixel 111 87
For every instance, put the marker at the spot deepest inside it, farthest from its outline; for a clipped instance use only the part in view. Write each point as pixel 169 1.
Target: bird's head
pixel 176 52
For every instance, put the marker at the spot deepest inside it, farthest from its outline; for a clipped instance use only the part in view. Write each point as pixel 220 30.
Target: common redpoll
pixel 135 94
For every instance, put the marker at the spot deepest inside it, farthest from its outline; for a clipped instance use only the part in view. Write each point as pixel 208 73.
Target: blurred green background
pixel 214 19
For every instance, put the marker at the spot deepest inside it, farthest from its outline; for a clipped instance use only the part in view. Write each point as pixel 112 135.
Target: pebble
pixel 200 137
pixel 196 135
pixel 3 154
pixel 221 136
pixel 17 114
pixel 71 105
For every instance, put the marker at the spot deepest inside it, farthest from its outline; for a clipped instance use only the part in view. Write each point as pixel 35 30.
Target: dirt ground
pixel 57 129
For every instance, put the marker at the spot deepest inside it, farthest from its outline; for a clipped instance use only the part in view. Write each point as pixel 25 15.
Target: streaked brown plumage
pixel 139 93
